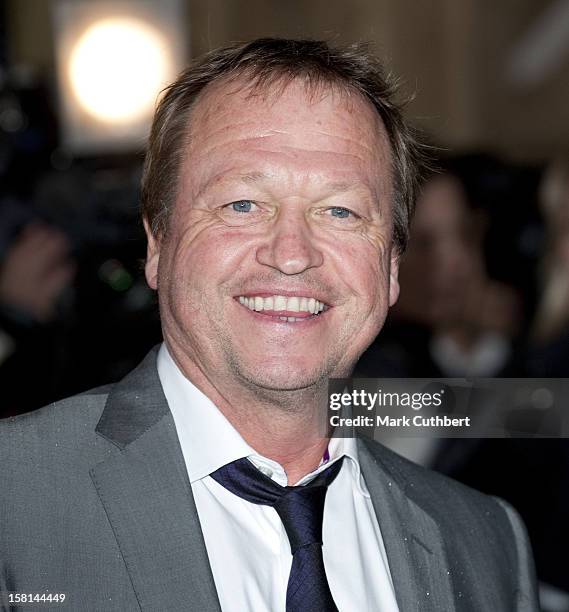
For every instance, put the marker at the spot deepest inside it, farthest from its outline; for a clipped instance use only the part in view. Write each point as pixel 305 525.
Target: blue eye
pixel 340 213
pixel 242 206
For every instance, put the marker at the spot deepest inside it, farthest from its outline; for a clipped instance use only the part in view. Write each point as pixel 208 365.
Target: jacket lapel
pixel 413 541
pixel 145 491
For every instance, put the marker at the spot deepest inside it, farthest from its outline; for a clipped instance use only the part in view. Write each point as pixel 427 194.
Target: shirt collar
pixel 209 441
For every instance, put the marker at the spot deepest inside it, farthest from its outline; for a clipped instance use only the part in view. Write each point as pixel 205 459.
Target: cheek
pixel 207 257
pixel 363 270
pixel 373 261
pixel 366 266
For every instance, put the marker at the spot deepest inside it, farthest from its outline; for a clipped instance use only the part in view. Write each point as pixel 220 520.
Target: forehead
pixel 308 130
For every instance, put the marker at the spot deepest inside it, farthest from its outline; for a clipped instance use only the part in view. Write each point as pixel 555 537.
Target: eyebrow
pixel 257 177
pixel 253 178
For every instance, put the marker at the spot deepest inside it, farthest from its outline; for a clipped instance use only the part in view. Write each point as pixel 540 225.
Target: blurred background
pixel 485 281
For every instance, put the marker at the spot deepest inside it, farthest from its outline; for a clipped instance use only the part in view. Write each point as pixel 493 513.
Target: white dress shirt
pixel 247 545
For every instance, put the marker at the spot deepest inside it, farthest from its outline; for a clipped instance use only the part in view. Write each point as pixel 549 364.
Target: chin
pixel 284 377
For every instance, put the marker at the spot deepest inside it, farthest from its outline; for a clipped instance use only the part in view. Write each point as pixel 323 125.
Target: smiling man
pixel 277 191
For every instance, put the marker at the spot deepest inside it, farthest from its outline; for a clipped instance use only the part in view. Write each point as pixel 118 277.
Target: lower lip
pixel 260 316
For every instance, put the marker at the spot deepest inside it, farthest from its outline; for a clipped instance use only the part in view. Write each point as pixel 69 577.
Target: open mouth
pixel 293 309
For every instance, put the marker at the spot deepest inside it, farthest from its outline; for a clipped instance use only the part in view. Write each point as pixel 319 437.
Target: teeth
pixel 293 304
pixel 280 302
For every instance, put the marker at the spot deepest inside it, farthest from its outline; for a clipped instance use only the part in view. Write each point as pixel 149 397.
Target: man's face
pixel 278 268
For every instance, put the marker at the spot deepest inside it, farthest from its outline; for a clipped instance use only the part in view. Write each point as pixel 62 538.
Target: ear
pixel 394 277
pixel 152 257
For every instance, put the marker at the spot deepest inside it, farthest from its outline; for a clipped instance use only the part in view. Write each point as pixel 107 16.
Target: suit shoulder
pixel 66 420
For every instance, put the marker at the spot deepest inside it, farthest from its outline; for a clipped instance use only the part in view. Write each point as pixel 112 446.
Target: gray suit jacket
pixel 95 502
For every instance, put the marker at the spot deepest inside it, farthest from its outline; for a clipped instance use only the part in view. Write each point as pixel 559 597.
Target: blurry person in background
pixel 36 262
pixel 548 356
pixel 549 338
pixel 35 271
pixel 451 319
pixel 472 317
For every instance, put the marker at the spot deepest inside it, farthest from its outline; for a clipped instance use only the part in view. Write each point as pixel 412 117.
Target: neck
pixel 286 426
pixel 291 444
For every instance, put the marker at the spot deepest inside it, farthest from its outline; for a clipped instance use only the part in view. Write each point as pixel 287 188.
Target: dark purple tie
pixel 301 509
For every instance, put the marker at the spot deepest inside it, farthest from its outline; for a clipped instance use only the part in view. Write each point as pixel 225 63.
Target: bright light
pixel 117 68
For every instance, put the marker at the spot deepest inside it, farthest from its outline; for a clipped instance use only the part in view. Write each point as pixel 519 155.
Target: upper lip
pixel 301 292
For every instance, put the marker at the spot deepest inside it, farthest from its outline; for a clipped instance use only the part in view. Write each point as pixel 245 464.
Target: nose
pixel 290 245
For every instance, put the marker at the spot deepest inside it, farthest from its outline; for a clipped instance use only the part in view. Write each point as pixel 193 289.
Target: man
pixel 277 192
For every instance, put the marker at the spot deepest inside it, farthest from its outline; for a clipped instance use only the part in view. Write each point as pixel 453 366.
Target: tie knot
pixel 301 510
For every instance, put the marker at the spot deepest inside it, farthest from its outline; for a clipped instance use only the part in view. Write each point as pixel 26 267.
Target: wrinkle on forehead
pixel 217 97
pixel 239 118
